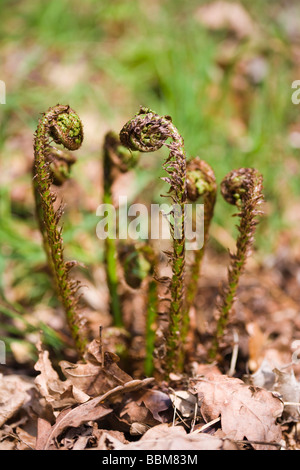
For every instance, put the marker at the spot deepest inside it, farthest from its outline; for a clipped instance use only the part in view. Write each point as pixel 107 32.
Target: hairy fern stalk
pixel 242 188
pixel 63 126
pixel 148 132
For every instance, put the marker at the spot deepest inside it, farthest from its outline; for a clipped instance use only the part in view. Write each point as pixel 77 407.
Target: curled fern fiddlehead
pixel 242 188
pixel 148 132
pixel 137 261
pixel 63 126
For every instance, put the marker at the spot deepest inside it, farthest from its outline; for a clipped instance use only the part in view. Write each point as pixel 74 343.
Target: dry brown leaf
pixel 264 376
pixel 142 409
pixel 81 443
pixel 165 437
pixel 184 402
pixel 92 410
pixel 246 411
pixel 138 429
pixel 99 374
pixel 13 395
pixel 7 442
pixel 75 417
pixel 26 440
pixel 133 413
pixel 289 389
pixel 108 440
pixel 43 431
pixel 77 438
pixel 57 393
pixel 156 402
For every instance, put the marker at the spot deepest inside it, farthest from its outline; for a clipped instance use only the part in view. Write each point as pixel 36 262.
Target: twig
pixel 235 353
pixel 207 425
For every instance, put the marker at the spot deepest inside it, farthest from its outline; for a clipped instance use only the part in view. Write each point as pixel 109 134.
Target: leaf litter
pixel 99 406
pixel 95 404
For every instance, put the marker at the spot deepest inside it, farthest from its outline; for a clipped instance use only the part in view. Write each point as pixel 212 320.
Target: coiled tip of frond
pixel 201 179
pixel 239 184
pixel 138 264
pixel 121 157
pixel 146 132
pixel 65 127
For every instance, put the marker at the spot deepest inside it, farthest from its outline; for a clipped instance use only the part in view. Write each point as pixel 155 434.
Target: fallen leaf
pixel 81 443
pixel 43 431
pixel 142 409
pixel 7 442
pixel 92 410
pixel 264 376
pixel 13 395
pixel 165 437
pixel 156 402
pixel 89 411
pixel 59 394
pixel 288 387
pixel 133 413
pixel 138 429
pixel 246 411
pixel 184 402
pixel 76 438
pixel 99 374
pixel 26 440
pixel 108 440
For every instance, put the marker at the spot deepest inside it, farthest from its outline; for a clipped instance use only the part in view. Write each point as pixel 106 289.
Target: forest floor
pixel 248 400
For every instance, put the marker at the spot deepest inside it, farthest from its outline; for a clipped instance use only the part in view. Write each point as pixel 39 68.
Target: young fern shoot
pixel 63 126
pixel 139 264
pixel 148 132
pixel 116 158
pixel 201 182
pixel 242 188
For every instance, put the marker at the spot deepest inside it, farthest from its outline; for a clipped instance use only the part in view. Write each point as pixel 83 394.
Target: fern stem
pixel 62 125
pixel 242 188
pixel 148 132
pixel 152 305
pixel 201 182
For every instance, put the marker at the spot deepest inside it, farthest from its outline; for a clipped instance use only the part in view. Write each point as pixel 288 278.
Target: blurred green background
pixel 222 70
